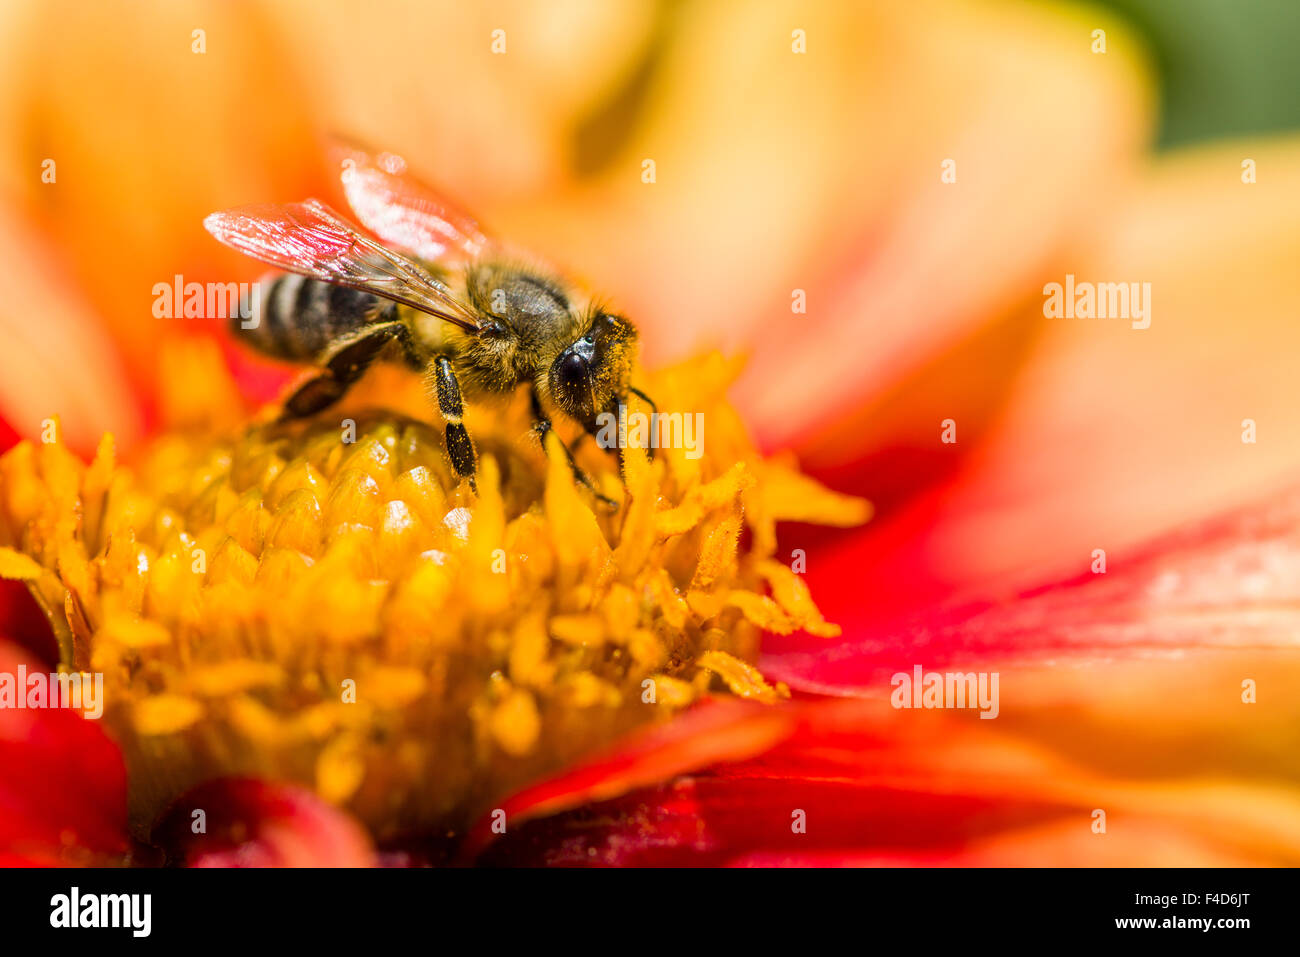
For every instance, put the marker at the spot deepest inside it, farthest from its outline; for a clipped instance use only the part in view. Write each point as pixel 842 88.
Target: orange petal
pixel 62 363
pixel 1115 434
pixel 777 171
pixel 147 137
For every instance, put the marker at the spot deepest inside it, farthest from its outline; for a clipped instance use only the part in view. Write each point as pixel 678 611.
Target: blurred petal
pixel 777 171
pixel 57 359
pixel 941 260
pixel 1115 434
pixel 1056 843
pixel 147 136
pixel 497 88
pixel 253 823
pixel 8 435
pixel 62 783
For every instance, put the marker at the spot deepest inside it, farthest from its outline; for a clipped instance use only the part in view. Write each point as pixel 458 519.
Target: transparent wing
pixel 311 239
pixel 402 211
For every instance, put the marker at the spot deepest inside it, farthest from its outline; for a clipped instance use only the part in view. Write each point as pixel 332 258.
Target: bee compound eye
pixel 572 369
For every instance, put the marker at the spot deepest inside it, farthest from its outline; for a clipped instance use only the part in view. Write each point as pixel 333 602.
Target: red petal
pixel 855 778
pixel 259 379
pixel 715 730
pixel 252 823
pixel 871 786
pixel 24 860
pixel 62 782
pixel 1233 582
pixel 8 437
pixel 22 619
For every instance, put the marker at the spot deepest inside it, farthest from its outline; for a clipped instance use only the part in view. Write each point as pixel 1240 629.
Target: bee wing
pixel 311 239
pixel 402 211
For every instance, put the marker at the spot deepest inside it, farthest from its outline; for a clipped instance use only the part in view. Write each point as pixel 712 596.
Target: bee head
pixel 590 375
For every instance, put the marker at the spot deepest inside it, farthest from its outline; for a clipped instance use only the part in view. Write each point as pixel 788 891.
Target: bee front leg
pixel 654 409
pixel 541 426
pixel 343 365
pixel 459 446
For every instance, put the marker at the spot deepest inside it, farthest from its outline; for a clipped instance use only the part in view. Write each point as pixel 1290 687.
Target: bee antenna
pixel 643 397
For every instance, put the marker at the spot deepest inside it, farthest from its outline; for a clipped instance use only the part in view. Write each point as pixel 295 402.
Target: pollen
pixel 324 602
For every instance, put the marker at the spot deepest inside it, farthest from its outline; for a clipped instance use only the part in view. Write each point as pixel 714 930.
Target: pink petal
pixel 252 823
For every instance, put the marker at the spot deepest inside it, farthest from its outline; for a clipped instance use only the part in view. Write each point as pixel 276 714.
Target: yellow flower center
pixel 323 602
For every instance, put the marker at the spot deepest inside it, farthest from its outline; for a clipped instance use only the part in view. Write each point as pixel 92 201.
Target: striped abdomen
pixel 292 317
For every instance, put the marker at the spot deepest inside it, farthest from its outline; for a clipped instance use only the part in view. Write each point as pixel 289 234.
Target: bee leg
pixel 343 366
pixel 644 398
pixel 653 408
pixel 541 426
pixel 459 446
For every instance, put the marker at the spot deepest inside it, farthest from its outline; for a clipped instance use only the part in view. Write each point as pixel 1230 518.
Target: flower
pixel 780 172
pixel 325 604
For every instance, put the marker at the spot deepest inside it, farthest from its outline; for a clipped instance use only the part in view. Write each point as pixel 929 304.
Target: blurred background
pixel 797 151
pixel 1222 69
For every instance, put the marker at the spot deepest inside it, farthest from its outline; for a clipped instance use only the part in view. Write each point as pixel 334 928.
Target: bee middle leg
pixel 541 426
pixel 459 446
pixel 343 366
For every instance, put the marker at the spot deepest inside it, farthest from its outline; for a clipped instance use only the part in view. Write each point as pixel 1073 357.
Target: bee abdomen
pixel 296 318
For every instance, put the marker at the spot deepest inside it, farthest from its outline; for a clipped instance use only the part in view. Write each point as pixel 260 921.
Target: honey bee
pixel 455 305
